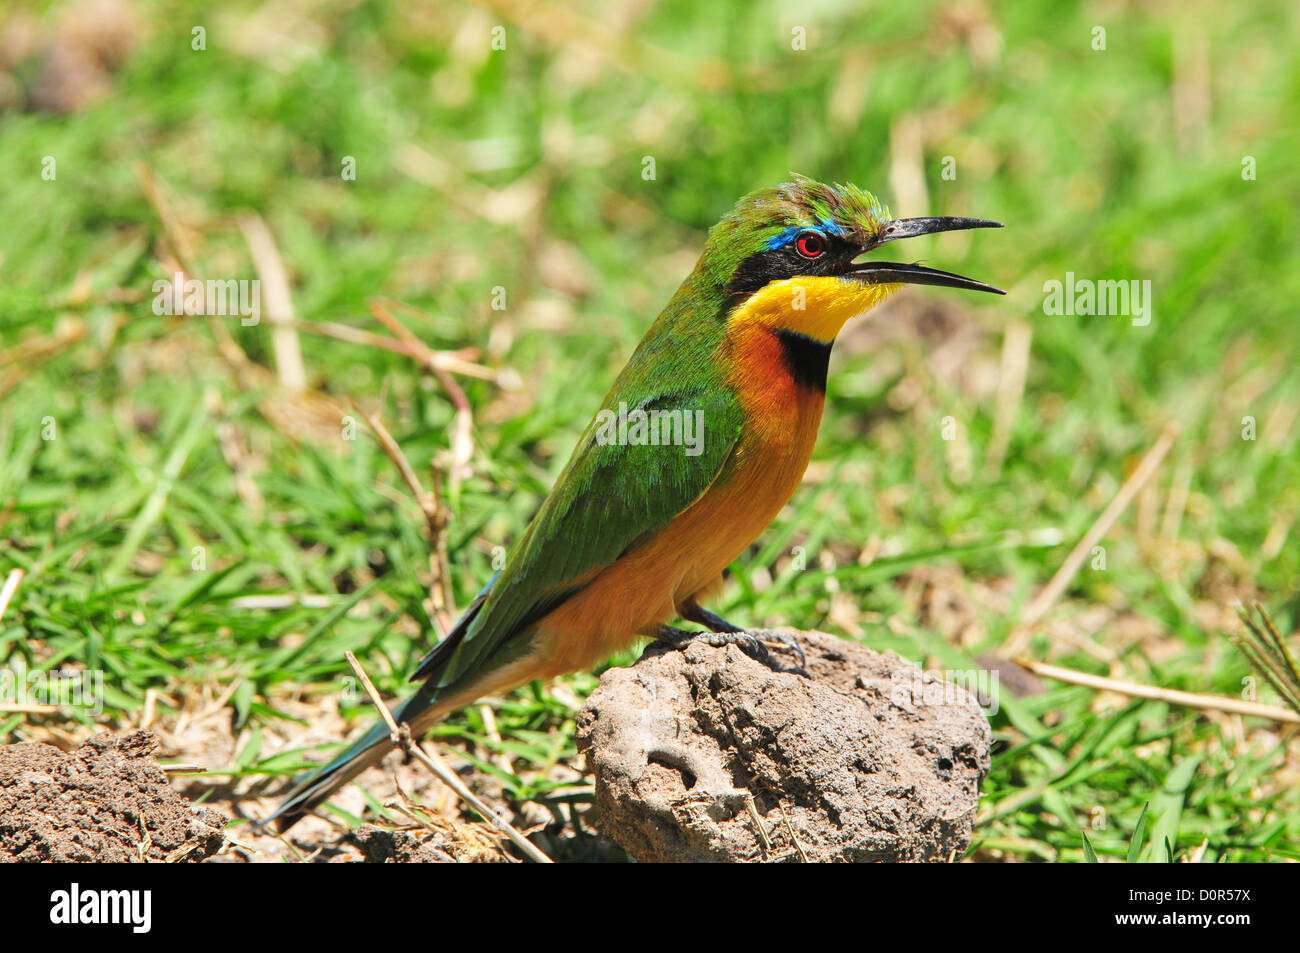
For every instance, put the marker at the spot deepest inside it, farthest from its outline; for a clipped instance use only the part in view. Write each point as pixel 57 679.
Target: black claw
pixel 789 641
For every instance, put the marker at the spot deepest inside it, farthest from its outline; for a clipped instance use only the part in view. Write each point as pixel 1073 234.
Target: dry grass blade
pixel 182 250
pixel 455 362
pixel 401 737
pixel 1171 695
pixel 10 587
pixel 1011 391
pixel 46 345
pixel 10 709
pixel 279 302
pixel 1041 604
pixel 462 441
pixel 435 517
pixel 26 355
pixel 759 828
pixel 789 829
pixel 177 240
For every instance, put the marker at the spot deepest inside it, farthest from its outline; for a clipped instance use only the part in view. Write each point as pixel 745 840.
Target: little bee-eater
pixel 637 532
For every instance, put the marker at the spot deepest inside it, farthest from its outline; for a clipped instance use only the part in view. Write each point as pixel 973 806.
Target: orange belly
pixel 645 588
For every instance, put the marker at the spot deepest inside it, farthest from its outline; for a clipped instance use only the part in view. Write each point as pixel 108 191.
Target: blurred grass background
pixel 522 169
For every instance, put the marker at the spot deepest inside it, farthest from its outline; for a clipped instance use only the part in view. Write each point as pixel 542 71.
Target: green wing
pixel 609 499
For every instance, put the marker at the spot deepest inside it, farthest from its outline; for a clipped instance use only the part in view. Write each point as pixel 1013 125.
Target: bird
pixel 637 531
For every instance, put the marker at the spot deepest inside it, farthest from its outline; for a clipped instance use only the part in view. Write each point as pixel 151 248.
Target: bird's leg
pixel 694 612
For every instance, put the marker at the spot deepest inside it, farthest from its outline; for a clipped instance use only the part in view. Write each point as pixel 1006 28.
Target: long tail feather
pixel 314 788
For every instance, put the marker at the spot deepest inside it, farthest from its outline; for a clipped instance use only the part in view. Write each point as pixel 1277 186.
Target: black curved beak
pixel 887 272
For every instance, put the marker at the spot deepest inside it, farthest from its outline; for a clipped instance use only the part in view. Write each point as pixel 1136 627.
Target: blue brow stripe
pixel 784 236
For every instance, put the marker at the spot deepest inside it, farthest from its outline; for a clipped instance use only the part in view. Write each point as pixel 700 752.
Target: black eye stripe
pixel 786 261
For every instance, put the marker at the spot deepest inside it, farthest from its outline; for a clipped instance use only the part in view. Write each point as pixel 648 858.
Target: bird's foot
pixel 753 643
pixel 694 612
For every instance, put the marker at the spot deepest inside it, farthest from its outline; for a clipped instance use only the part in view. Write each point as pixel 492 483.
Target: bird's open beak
pixel 888 272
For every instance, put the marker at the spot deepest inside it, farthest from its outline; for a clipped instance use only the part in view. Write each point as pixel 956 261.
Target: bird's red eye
pixel 810 244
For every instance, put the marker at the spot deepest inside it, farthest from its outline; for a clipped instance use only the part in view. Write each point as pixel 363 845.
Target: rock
pixel 867 759
pixel 381 845
pixel 107 801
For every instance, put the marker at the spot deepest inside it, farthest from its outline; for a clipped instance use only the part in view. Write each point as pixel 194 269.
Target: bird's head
pixel 785 256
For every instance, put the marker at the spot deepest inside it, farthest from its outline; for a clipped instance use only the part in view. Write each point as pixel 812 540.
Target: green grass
pixel 521 169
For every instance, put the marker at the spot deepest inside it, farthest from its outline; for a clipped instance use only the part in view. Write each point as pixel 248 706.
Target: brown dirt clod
pixel 380 845
pixel 868 759
pixel 107 801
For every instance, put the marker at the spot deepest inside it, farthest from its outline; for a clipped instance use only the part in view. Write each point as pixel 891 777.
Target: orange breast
pixel 645 587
